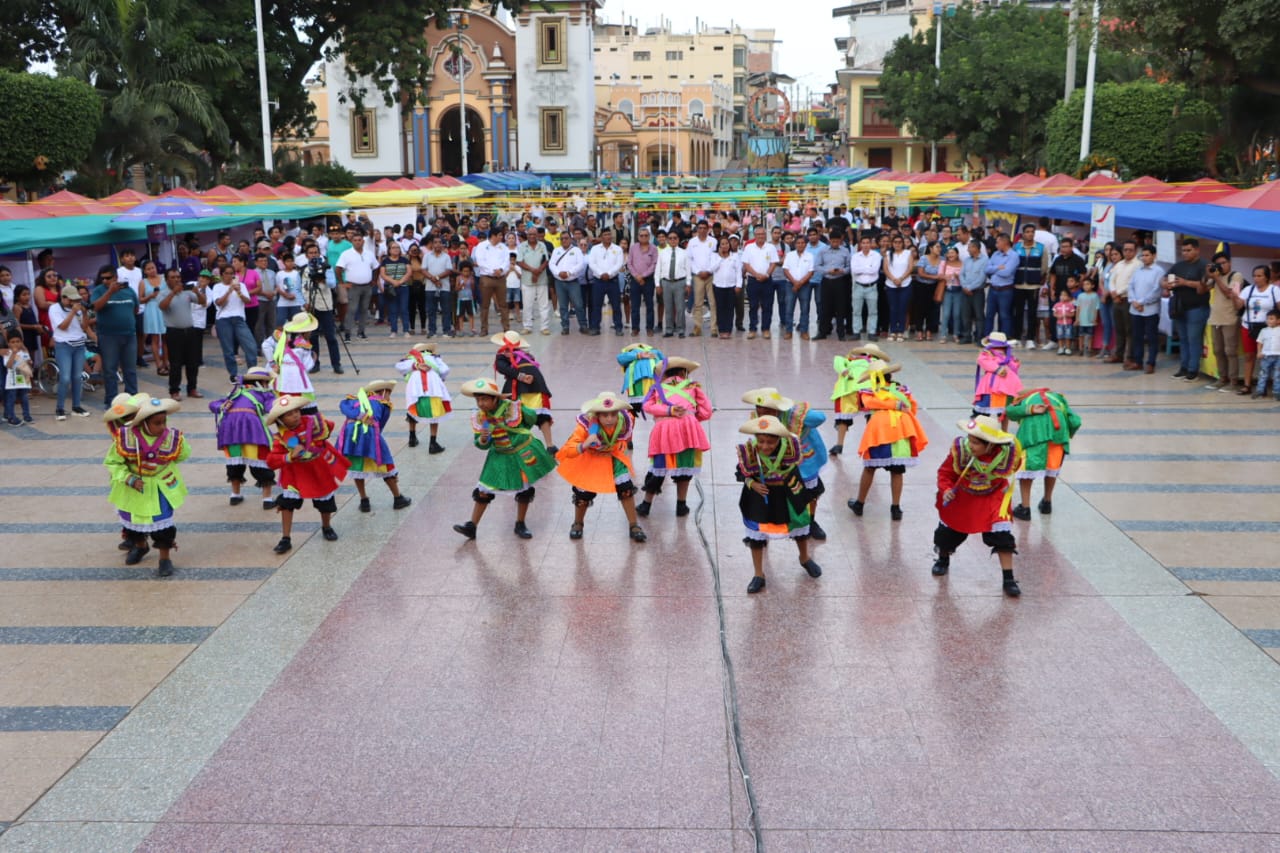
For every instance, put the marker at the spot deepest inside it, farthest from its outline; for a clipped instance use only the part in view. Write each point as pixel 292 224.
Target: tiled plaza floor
pixel 404 689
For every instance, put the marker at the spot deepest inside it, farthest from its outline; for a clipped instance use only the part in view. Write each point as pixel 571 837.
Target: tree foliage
pixel 330 178
pixel 1150 129
pixel 33 32
pixel 50 124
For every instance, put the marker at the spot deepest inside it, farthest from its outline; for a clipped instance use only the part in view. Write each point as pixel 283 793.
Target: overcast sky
pixel 806 30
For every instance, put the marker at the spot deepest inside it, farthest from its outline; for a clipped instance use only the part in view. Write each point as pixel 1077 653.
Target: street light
pixel 262 88
pixel 460 21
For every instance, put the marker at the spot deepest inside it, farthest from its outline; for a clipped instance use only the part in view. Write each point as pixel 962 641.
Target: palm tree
pixel 154 74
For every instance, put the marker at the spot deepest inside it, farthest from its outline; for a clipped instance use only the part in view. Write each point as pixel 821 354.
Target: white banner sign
pixel 1102 226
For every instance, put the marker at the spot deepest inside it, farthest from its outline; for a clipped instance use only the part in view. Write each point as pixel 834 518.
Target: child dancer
pixel 997 376
pixel 123 407
pixel 677 440
pixel 974 489
pixel 426 397
pixel 239 419
pixel 774 501
pixel 639 364
pixel 362 441
pixel 514 459
pixel 1046 426
pixel 893 439
pixel 146 485
pixel 595 460
pixel 802 421
pixel 288 351
pixel 851 380
pixel 309 466
pixel 524 384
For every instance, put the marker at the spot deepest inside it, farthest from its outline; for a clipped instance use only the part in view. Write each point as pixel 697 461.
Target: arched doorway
pixel 450 153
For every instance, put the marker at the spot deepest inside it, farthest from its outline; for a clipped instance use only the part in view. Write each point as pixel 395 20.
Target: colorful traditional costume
pixel 240 421
pixel 288 351
pixel 146 486
pixel 676 444
pixel 1045 437
pixel 997 379
pixel 319 468
pixel 513 359
pixel 894 438
pixel 362 442
pixel 852 378
pixel 426 397
pixel 640 364
pixel 595 460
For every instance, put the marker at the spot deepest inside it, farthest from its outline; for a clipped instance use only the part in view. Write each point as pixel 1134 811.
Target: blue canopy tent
pixel 497 182
pixel 840 173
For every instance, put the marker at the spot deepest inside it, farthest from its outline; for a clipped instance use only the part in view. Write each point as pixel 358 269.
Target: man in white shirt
pixel 438 273
pixel 701 252
pixel 1122 325
pixel 673 284
pixel 532 258
pixel 604 263
pixel 565 265
pixel 759 260
pixel 492 259
pixel 129 273
pixel 229 296
pixel 797 269
pixel 355 270
pixel 865 267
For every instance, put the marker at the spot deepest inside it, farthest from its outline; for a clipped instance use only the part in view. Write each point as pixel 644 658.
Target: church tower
pixel 555 89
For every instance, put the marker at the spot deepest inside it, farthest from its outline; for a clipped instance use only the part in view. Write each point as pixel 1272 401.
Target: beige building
pixel 313 150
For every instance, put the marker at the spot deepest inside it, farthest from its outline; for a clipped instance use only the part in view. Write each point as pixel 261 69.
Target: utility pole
pixel 1086 128
pixel 262 89
pixel 937 64
pixel 1073 31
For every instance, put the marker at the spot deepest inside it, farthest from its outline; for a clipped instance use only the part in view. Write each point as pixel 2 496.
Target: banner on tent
pixel 1102 225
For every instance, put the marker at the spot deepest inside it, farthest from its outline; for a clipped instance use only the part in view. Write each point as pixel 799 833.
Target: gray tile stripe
pixel 1140 408
pixel 183 527
pixel 1188 488
pixel 93 635
pixel 1146 526
pixel 97 491
pixel 60 718
pixel 97 460
pixel 1204 573
pixel 135 573
pixel 1175 457
pixel 1268 638
pixel 1143 431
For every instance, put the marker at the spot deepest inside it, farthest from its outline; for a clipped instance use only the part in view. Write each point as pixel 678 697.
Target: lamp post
pixel 262 88
pixel 460 21
pixel 1086 127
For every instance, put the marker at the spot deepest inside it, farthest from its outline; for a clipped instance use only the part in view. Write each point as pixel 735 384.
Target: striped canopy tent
pixel 841 173
pixel 921 186
pixel 126 198
pixel 407 192
pixel 67 203
pixel 1263 197
pixel 12 211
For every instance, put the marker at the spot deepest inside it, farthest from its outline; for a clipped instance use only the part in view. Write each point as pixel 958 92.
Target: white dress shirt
pixel 702 255
pixel 491 259
pixel 605 260
pixel 727 271
pixel 566 261
pixel 799 264
pixel 663 270
pixel 357 267
pixel 866 268
pixel 756 260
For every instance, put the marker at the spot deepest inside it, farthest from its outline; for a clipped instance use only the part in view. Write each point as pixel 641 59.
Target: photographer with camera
pixel 319 298
pixel 1224 320
pixel 181 339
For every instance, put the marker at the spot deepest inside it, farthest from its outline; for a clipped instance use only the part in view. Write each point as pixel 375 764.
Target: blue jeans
pixel 284 313
pixel 864 294
pixel 1190 329
pixel 759 304
pixel 397 308
pixel 600 291
pixel 17 395
pixel 642 290
pixel 999 304
pixel 70 359
pixel 1104 317
pixel 803 298
pixel 899 299
pixel 1146 331
pixel 569 295
pixel 233 332
pixel 119 355
pixel 783 293
pixel 1268 374
pixel 952 312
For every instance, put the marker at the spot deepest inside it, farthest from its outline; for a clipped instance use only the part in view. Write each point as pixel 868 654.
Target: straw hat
pixel 424 347
pixel 605 401
pixel 986 428
pixel 675 362
pixel 869 350
pixel 148 406
pixel 881 366
pixel 511 338
pixel 69 291
pixel 768 398
pixel 301 324
pixel 767 425
pixel 485 387
pixel 258 374
pixel 284 404
pixel 995 339
pixel 634 347
pixel 122 406
pixel 380 385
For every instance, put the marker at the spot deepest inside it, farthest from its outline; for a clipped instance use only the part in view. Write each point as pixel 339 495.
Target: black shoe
pixel 435 447
pixel 346 336
pixel 268 503
pixel 315 368
pixel 1021 513
pixel 401 502
pixel 816 531
pixel 840 337
pixel 124 545
pixel 365 505
pixel 564 331
pixel 942 565
pixel 575 531
pixel 682 509
pixel 553 449
pixel 1192 377
pixel 856 506
pixel 136 553
pixel 1181 373
pixel 1045 508
pixel 329 534
pixel 856 336
pixel 468 529
pixel 595 333
pixel 337 368
pixel 522 531
pixel 818 338
pixel 1011 588
pixel 413 439
pixel 873 338
pixel 740 329
pixel 668 334
pixel 637 534
pixel 165 569
pixel 642 509
pixel 812 567
pixel 757 584
pixel 895 512
pixel 836 450
pixel 236 500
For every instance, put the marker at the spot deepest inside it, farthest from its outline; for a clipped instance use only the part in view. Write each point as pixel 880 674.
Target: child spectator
pixel 1088 306
pixel 514 293
pixel 1269 349
pixel 1064 315
pixel 17 381
pixel 951 296
pixel 464 299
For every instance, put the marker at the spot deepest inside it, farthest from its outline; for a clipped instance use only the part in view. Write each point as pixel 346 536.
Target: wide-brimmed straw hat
pixel 605 401
pixel 258 374
pixel 301 324
pixel 767 425
pixel 869 350
pixel 149 406
pixel 379 385
pixel 424 347
pixel 676 362
pixel 986 428
pixel 637 346
pixel 882 366
pixel 768 398
pixel 996 339
pixel 511 338
pixel 481 387
pixel 284 404
pixel 122 406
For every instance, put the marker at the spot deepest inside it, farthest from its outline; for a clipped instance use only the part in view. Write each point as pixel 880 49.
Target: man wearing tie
pixel 673 281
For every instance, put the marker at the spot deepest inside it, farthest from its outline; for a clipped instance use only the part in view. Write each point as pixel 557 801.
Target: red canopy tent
pixel 261 190
pixel 223 194
pixel 10 211
pixel 1264 197
pixel 67 203
pixel 292 190
pixel 1203 191
pixel 1141 189
pixel 991 183
pixel 1056 185
pixel 126 198
pixel 180 192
